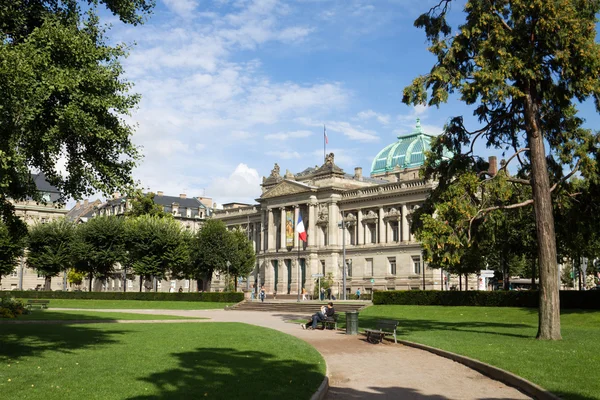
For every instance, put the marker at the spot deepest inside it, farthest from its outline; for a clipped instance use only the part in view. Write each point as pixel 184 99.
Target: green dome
pixel 407 152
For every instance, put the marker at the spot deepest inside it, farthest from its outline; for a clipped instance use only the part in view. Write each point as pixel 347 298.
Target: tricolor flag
pixel 325 135
pixel 300 229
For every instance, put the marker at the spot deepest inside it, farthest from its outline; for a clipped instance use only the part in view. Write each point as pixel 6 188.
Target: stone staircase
pixel 303 307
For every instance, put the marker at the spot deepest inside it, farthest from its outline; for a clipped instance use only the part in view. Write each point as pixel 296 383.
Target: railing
pixel 236 211
pixel 387 188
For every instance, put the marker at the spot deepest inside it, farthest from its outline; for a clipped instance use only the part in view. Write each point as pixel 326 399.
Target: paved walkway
pixel 360 370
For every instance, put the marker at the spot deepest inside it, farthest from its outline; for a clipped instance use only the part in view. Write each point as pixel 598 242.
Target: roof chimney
pixel 85 202
pixel 358 173
pixel 182 196
pixel 116 195
pixel 493 168
pixel 77 204
pixel 159 193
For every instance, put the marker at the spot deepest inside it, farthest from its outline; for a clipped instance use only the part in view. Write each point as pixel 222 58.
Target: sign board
pixel 372 280
pixel 485 272
pixel 317 275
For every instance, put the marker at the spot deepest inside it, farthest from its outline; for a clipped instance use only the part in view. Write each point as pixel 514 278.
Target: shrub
pixel 11 308
pixel 499 298
pixel 224 297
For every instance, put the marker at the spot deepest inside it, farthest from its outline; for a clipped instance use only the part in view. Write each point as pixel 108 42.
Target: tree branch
pixel 570 174
pixel 502 207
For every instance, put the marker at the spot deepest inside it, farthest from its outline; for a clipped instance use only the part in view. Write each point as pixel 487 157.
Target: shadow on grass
pixel 32 340
pixel 225 373
pixel 409 326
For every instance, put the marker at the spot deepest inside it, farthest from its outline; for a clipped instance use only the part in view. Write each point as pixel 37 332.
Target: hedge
pixel 223 297
pixel 528 298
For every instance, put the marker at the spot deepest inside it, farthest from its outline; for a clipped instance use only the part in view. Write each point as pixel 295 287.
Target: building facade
pixel 362 220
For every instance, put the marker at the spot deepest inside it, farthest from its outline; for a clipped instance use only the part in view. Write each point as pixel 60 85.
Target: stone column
pixel 333 222
pixel 311 222
pixel 361 229
pixel 381 238
pixel 270 231
pixel 282 233
pixel 404 224
pixel 296 214
pixel 262 230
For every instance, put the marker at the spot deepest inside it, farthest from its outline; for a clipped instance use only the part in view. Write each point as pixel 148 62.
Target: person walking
pixel 262 295
pixel 322 294
pixel 358 294
pixel 303 294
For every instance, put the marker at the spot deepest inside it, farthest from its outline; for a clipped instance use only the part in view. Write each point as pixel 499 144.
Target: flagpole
pixel 299 283
pixel 324 143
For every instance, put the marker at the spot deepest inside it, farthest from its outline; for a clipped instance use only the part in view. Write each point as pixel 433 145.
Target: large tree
pixel 50 248
pixel 243 258
pixel 523 64
pixel 63 96
pixel 11 247
pixel 212 248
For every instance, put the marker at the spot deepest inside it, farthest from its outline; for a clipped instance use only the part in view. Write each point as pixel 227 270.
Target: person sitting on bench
pixel 322 315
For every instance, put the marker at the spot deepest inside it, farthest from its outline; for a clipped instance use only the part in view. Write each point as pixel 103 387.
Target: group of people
pixel 321 315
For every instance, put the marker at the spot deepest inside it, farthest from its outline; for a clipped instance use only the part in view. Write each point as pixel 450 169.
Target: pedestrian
pixel 358 294
pixel 262 295
pixel 303 294
pixel 322 294
pixel 180 289
pixel 321 315
pixel 328 293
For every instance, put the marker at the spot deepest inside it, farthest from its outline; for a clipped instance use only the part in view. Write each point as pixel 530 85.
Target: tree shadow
pixel 33 340
pixel 226 373
pixel 395 392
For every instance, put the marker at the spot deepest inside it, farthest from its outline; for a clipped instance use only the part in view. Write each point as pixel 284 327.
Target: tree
pixel 212 249
pixel 75 277
pixel 50 248
pixel 243 259
pixel 63 95
pixel 156 246
pixel 524 64
pixel 99 245
pixel 143 204
pixel 11 246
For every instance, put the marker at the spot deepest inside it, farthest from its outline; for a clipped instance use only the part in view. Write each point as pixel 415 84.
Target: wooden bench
pixel 383 328
pixel 37 303
pixel 330 322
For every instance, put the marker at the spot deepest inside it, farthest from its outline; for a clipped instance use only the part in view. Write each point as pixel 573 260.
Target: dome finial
pixel 418 128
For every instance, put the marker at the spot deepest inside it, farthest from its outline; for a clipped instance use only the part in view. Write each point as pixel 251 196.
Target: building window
pixel 394 226
pixel 186 284
pixel 129 283
pixel 373 233
pixel 159 284
pixel 40 275
pixel 14 273
pixel 392 263
pixel 369 267
pixel 323 267
pixel 416 265
pixel 349 267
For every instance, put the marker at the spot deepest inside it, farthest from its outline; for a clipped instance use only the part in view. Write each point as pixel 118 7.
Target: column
pixel 404 224
pixel 381 227
pixel 311 222
pixel 333 222
pixel 361 228
pixel 252 235
pixel 282 233
pixel 270 230
pixel 296 214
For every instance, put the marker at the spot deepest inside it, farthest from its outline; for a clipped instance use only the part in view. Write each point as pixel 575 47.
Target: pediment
pixel 286 188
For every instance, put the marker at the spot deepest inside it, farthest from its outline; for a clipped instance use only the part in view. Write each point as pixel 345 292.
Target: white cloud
pixel 353 133
pixel 288 135
pixel 242 185
pixel 368 114
pixel 284 155
pixel 181 7
pixel 241 135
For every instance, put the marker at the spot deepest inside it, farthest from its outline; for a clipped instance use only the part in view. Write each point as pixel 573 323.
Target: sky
pixel 230 87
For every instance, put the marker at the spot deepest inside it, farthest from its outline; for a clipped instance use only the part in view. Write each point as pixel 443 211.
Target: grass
pixel 505 337
pixel 135 304
pixel 46 315
pixel 155 361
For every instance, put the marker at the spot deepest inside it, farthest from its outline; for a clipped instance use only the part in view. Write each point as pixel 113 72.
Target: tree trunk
pixel 90 282
pixel 141 282
pixel 48 283
pixel 466 282
pixel 460 282
pixel 533 262
pixel 549 311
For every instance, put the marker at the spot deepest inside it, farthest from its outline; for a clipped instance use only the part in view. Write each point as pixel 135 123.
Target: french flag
pixel 300 229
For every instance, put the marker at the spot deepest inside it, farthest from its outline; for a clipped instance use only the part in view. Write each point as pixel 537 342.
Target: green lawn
pixel 505 337
pixel 44 315
pixel 155 361
pixel 135 304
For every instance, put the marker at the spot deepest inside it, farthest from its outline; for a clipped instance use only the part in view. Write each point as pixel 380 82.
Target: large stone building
pixel 32 213
pixel 365 218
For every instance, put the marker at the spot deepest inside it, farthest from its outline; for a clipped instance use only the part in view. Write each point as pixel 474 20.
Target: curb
pixel 324 387
pixel 522 384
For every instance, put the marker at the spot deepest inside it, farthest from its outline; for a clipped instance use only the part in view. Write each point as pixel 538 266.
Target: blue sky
pixel 229 87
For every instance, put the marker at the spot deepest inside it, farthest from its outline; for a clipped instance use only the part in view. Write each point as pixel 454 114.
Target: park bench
pixel 382 329
pixel 330 322
pixel 37 303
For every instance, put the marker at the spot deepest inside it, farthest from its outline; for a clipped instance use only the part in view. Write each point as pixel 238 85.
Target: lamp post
pixel 343 226
pixel 227 280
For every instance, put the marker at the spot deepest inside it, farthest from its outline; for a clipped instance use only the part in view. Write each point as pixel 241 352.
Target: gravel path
pixel 360 370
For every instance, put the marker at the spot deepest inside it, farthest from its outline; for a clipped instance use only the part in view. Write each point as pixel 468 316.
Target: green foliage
pixel 243 259
pixel 156 246
pixel 11 248
pixel 99 244
pixel 63 95
pixel 11 308
pixel 219 297
pixel 50 248
pixel 143 204
pixel 75 277
pixel 569 299
pixel 212 248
